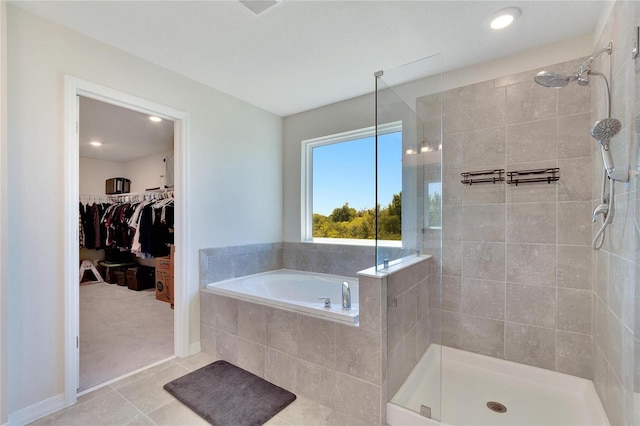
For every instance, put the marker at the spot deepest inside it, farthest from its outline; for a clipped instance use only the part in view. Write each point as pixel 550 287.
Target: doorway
pixel 73 88
pixel 125 177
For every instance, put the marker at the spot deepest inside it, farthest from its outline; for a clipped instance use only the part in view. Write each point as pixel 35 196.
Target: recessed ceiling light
pixel 155 119
pixel 95 143
pixel 504 17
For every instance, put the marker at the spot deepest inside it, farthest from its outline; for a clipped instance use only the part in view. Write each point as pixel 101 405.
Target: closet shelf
pixel 535 175
pixel 149 194
pixel 483 176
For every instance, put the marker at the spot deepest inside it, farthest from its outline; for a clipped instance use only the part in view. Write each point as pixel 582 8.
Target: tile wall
pixel 407 321
pixel 517 281
pixel 222 263
pixel 616 267
pixel 340 366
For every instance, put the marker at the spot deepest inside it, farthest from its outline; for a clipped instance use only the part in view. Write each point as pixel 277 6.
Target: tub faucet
pixel 346 295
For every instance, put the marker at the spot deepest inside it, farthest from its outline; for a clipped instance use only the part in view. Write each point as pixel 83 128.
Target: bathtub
pixel 295 291
pixel 458 384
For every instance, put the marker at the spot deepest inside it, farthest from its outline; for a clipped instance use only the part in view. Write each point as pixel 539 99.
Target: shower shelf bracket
pixel 536 175
pixel 483 176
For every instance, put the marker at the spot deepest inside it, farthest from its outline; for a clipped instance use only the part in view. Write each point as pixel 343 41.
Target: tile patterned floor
pixel 140 400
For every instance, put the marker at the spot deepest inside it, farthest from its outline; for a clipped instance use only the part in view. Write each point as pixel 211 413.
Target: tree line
pixel 347 222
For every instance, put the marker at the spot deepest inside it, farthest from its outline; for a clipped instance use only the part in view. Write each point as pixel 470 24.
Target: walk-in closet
pixel 126 241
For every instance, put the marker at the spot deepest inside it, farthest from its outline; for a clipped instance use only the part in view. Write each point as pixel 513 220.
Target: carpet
pixel 226 395
pixel 121 330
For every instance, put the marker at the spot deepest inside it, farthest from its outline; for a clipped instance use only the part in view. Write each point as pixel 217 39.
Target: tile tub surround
pixel 340 366
pixel 336 365
pixel 222 263
pixel 516 273
pixel 407 321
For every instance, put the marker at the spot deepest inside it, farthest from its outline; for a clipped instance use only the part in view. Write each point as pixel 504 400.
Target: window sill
pixel 354 242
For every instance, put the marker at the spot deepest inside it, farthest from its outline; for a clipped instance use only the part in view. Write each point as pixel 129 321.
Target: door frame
pixel 74 87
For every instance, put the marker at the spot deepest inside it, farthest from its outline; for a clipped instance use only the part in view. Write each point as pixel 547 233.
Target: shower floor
pixel 531 395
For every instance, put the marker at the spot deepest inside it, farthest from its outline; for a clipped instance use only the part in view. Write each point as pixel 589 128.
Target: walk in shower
pixel 497 187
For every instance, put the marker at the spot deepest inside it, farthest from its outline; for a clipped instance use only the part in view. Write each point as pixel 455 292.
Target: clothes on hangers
pixel 90 229
pixel 143 226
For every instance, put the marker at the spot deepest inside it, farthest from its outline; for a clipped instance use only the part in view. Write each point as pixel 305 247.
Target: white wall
pixel 93 173
pixel 145 172
pixel 359 112
pixel 234 176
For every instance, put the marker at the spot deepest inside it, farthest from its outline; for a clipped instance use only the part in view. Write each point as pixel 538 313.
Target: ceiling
pixel 299 55
pixel 125 134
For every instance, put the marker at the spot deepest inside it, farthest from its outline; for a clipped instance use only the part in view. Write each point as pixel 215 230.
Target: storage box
pixel 115 255
pixel 164 277
pixel 164 263
pixel 121 277
pixel 141 278
pixel 118 185
pixel 164 286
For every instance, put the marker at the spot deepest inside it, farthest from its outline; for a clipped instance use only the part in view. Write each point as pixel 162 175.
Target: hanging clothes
pixel 143 227
pixel 81 225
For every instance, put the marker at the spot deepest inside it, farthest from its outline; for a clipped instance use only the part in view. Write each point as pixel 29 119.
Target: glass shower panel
pixel 408 157
pixel 409 223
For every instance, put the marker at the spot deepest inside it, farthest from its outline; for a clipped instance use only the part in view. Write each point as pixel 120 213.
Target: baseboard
pixel 194 348
pixel 37 411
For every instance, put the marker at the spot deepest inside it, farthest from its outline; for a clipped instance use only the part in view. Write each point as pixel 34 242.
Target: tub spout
pixel 346 295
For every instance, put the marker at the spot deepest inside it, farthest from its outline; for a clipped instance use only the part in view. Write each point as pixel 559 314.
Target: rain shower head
pixel 552 79
pixel 555 80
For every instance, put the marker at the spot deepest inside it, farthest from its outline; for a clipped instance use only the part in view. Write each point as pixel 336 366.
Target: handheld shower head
pixel 603 131
pixel 552 79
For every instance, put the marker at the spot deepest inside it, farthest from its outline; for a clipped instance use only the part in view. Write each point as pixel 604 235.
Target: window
pixel 338 171
pixel 433 199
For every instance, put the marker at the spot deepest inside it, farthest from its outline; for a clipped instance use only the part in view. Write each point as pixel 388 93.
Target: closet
pixel 126 235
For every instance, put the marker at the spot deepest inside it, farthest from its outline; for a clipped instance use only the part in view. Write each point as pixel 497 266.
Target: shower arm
pixel 586 65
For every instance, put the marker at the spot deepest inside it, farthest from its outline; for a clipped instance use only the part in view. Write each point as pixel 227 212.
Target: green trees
pixel 347 222
pixel 435 210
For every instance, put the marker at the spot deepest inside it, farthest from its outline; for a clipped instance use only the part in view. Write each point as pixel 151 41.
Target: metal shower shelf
pixel 483 176
pixel 535 175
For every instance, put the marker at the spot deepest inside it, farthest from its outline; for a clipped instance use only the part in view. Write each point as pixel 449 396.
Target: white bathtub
pixel 295 291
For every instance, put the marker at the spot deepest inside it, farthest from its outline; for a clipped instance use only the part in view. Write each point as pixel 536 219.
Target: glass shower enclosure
pixel 409 99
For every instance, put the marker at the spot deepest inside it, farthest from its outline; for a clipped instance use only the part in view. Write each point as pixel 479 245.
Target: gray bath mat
pixel 226 395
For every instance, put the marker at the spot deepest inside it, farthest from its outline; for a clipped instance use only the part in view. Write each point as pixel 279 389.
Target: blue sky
pixel 345 173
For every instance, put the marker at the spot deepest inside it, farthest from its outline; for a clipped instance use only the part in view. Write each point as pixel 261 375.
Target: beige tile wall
pixel 407 321
pixel 340 366
pixel 616 267
pixel 516 266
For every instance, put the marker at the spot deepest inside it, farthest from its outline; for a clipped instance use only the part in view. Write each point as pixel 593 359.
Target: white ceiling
pixel 125 134
pixel 300 55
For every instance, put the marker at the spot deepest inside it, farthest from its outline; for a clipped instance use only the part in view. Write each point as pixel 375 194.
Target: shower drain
pixel 497 407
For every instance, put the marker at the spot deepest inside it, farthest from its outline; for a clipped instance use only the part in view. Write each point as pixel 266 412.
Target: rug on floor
pixel 226 395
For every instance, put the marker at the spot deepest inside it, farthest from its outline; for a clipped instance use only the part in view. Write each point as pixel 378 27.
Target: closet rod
pixel 147 192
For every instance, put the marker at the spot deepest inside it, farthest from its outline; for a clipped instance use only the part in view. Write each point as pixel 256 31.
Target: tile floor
pixel 141 400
